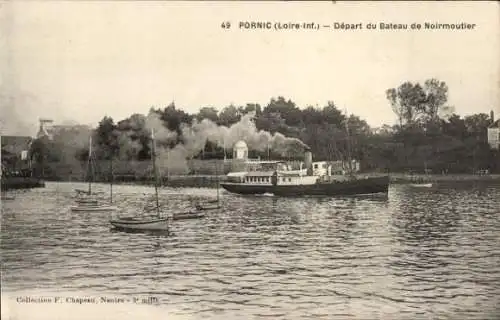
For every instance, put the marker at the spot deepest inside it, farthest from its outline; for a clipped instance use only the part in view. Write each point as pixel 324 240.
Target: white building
pixel 494 133
pixel 240 150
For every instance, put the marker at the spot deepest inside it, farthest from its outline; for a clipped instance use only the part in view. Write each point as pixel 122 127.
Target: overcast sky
pixel 79 61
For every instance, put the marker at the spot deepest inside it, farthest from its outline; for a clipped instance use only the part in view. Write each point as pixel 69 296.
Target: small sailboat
pixel 191 214
pixel 211 204
pixel 86 199
pixel 187 215
pixel 156 223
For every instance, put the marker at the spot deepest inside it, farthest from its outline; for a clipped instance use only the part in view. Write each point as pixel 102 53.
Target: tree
pixel 173 118
pixel 286 109
pixel 436 96
pixel 407 101
pixel 106 139
pixel 455 127
pixel 133 138
pixel 312 115
pixel 250 107
pixel 477 124
pixel 332 115
pixel 476 140
pixel 411 102
pixel 209 113
pixel 427 133
pixel 38 151
pixel 229 115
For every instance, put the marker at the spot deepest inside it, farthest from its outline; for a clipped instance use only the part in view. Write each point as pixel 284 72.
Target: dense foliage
pixel 428 134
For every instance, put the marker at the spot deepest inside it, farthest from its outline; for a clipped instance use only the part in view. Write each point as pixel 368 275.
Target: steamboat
pixel 280 178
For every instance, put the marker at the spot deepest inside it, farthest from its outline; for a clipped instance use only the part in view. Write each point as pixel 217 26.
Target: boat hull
pixel 87 202
pixel 148 224
pixel 92 208
pixel 421 185
pixel 207 207
pixel 187 216
pixel 369 185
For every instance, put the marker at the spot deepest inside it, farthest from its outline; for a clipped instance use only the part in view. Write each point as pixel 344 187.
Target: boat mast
pixel 111 180
pixel 89 166
pixel 217 177
pixel 349 155
pixel 425 153
pixel 153 156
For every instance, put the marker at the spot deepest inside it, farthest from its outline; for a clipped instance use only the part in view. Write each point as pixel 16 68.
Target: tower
pixel 42 131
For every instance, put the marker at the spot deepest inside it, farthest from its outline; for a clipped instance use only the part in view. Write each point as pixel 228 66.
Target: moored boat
pixel 92 207
pixel 91 204
pixel 187 215
pixel 87 200
pixel 145 223
pixel 207 206
pixel 211 204
pixel 152 223
pixel 421 185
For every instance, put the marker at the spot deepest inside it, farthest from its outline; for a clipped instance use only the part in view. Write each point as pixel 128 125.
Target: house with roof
pixel 15 154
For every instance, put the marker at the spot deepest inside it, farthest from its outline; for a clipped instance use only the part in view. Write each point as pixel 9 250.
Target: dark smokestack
pixel 492 115
pixel 308 161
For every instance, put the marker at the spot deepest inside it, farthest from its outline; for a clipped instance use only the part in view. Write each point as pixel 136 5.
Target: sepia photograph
pixel 170 160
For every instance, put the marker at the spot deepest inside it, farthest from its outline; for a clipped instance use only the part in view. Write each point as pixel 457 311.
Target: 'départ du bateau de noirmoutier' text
pixel 269 25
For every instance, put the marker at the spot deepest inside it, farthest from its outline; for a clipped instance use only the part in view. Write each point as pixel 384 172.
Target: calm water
pixel 420 254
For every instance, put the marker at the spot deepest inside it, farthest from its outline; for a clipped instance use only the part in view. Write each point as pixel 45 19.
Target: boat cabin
pixel 258 177
pixel 321 168
pixel 270 178
pixel 288 173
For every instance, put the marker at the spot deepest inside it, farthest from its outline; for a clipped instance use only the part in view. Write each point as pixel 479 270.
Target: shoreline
pixel 398 178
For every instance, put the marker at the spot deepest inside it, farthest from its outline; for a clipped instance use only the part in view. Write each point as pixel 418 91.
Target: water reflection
pixel 419 217
pixel 417 253
pixel 157 233
pixel 431 244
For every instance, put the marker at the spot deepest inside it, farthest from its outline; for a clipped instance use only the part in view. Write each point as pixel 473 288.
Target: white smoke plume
pixel 174 160
pixel 128 147
pixel 196 135
pixel 167 160
pixel 161 133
